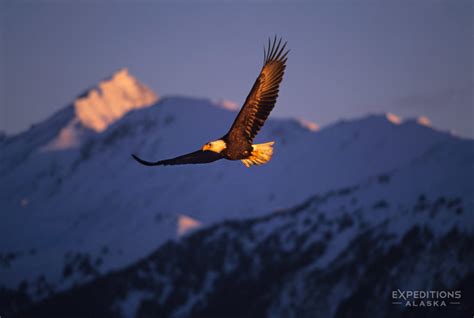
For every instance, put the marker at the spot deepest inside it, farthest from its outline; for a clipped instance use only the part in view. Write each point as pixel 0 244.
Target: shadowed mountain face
pixel 335 255
pixel 76 206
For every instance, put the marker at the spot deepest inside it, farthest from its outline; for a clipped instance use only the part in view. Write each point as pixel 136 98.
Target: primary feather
pixel 263 95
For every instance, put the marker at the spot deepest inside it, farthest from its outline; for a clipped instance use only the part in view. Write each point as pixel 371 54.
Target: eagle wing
pixel 262 97
pixel 190 158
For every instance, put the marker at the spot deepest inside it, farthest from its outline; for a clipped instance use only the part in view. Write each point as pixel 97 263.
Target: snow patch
pixel 312 126
pixel 129 306
pixel 24 202
pixel 187 224
pixel 227 104
pixel 423 120
pixel 208 285
pixel 394 119
pixel 69 137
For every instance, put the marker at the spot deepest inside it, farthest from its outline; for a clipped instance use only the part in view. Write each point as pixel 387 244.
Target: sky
pixel 348 58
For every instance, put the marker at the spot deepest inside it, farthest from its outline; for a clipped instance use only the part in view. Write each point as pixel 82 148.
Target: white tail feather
pixel 261 154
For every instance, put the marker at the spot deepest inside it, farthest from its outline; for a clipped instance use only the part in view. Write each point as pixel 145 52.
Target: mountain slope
pixel 340 254
pixel 93 111
pixel 73 212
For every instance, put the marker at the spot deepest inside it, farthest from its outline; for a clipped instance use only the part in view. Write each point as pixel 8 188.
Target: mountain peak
pixel 312 126
pixel 111 99
pixel 397 120
pixel 394 119
pixel 424 121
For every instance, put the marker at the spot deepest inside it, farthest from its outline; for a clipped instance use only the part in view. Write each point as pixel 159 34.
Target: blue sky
pixel 348 58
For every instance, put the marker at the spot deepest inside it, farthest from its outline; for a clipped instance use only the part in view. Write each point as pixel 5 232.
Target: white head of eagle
pixel 216 146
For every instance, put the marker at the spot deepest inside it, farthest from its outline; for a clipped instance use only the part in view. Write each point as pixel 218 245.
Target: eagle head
pixel 216 146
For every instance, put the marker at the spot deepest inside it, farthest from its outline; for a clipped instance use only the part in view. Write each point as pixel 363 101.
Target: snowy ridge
pixel 318 258
pixel 86 208
pixel 111 100
pixel 91 112
pixel 102 106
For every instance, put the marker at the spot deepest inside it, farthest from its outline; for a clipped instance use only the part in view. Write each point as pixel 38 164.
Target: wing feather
pixel 197 157
pixel 262 96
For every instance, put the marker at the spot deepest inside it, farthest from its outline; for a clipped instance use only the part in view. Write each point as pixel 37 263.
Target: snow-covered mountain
pixel 339 254
pixel 76 206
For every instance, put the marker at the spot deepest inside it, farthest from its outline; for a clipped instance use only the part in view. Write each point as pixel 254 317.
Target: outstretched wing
pixel 262 97
pixel 190 158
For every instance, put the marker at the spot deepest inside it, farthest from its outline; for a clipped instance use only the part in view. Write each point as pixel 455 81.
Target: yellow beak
pixel 206 147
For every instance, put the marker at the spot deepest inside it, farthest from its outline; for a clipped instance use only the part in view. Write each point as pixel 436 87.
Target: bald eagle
pixel 237 144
